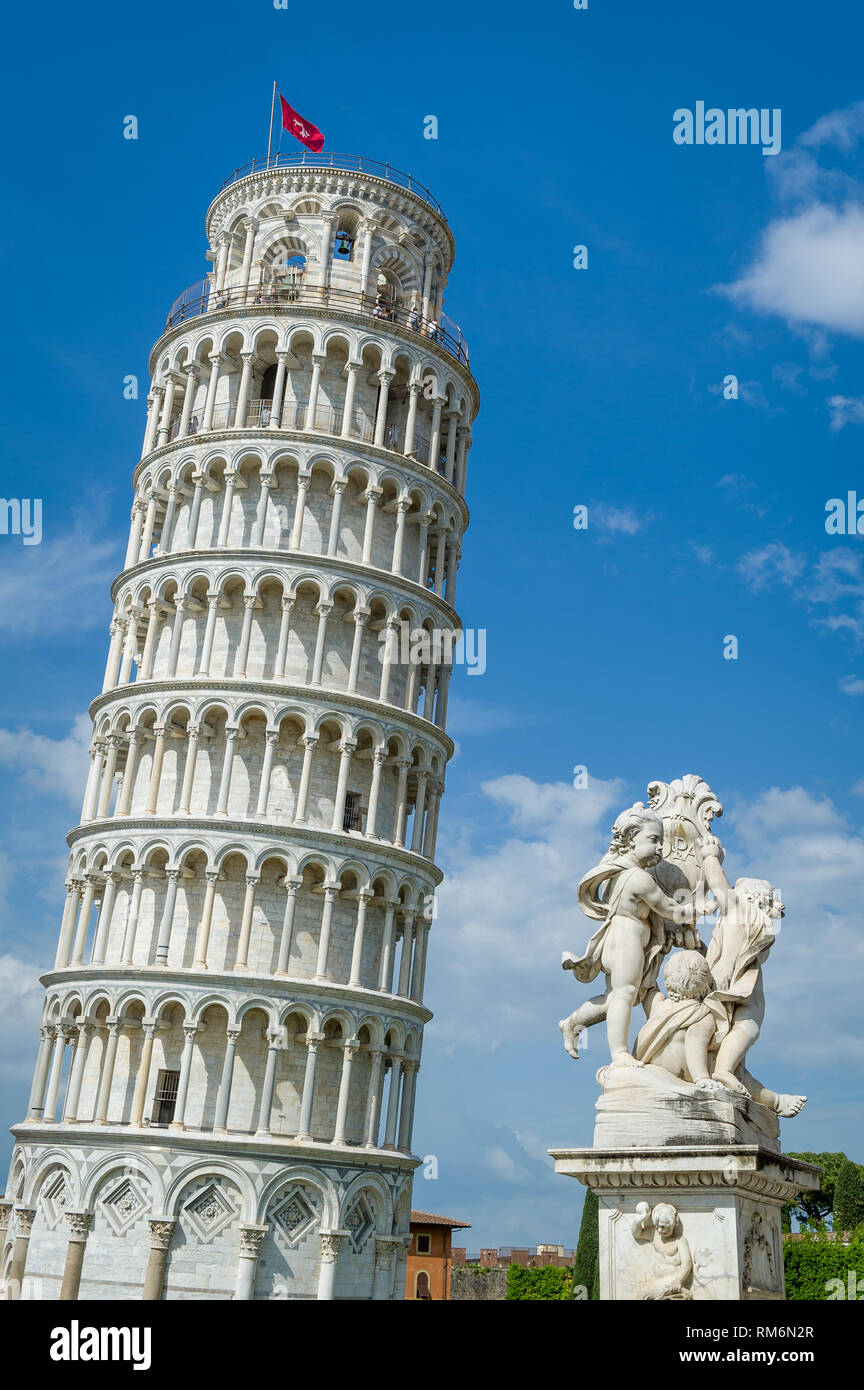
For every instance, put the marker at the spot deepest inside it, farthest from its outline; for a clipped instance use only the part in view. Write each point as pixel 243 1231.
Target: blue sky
pixel 600 386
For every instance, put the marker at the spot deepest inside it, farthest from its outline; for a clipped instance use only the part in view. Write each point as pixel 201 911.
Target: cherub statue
pixel 676 1276
pixel 739 947
pixel 681 1026
pixel 635 911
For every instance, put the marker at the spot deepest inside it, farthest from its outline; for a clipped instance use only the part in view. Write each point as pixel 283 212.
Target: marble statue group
pixel 662 875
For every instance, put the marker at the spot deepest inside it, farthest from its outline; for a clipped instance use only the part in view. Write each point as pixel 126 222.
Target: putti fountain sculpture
pixel 680 1120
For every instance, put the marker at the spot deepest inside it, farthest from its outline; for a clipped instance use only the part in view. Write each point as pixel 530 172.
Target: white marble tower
pixel 224 1093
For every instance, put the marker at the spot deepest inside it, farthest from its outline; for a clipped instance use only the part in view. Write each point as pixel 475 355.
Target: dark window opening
pixel 165 1099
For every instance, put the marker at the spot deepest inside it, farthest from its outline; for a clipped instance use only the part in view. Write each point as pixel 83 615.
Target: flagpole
pixel 270 135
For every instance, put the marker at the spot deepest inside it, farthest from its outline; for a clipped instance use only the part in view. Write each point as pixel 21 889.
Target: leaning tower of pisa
pixel 224 1091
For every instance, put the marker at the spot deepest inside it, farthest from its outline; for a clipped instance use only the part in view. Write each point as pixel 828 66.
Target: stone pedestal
pixel 697 1221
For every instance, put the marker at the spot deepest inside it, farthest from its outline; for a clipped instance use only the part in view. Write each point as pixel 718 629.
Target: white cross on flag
pixel 304 131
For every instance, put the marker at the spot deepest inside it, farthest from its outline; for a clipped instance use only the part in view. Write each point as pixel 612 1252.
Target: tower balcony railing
pixel 348 163
pixel 203 298
pixel 329 419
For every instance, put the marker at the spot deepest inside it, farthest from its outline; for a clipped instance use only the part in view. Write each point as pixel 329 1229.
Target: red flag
pixel 304 131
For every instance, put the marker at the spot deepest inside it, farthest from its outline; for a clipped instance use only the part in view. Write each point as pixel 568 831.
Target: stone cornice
pixel 742 1169
pixel 419 472
pixel 264 690
pixel 282 1148
pixel 279 988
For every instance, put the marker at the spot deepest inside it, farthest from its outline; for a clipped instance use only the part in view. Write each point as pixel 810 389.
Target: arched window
pixel 343 245
pixel 284 277
pixel 421 1287
pixel 268 381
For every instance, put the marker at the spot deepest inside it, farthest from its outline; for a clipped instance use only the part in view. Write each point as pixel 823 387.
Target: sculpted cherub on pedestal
pixel 701 1031
pixel 674 1275
pixel 640 924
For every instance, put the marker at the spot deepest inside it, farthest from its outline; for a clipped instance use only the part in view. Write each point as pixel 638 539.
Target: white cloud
pixel 851 685
pixel 20 1012
pixel 735 484
pixel 808 270
pixel 845 410
pixel 773 563
pixel 55 767
pixel 617 521
pixel 507 911
pixel 503 1166
pixel 60 586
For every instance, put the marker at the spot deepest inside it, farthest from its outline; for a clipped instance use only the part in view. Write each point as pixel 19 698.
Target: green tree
pixel 585 1267
pixel 813 1209
pixel 848 1197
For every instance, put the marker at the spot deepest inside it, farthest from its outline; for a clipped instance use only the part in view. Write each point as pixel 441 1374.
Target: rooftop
pixel 428 1218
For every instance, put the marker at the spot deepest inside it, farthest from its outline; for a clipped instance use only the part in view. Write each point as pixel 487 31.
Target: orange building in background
pixel 427 1273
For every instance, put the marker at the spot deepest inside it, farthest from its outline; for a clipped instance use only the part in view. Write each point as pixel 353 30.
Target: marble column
pixel 161 1231
pixel 40 1076
pixel 189 1033
pixel 251 1240
pixel 203 938
pixel 242 961
pixel 374 1096
pixel 313 1042
pixel 385 970
pixel 24 1217
pixel 364 897
pixel 223 1100
pixel 79 1224
pixel 109 1061
pixel 143 1078
pixel 274 1047
pixel 291 886
pixel 330 891
pixel 349 1049
pixel 76 1071
pixel 331 1243
pixel 379 757
pixel 284 631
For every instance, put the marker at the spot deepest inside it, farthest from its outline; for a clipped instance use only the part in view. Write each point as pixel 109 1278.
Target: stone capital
pixel 161 1231
pixel 331 1244
pixel 251 1238
pixel 385 1248
pixel 25 1216
pixel 79 1224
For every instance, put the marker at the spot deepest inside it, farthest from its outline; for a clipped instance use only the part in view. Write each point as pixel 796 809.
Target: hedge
pixel 813 1261
pixel 546 1282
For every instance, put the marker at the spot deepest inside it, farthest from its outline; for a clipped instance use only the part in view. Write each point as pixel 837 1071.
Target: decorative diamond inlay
pixel 55 1198
pixel 209 1211
pixel 295 1215
pixel 360 1223
pixel 124 1204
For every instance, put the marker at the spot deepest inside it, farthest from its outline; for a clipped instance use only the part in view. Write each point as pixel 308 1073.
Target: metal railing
pixel 202 298
pixel 349 163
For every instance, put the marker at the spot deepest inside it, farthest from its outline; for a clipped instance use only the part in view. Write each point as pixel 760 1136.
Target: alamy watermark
pixel 22 517
pixel 737 126
pixel 402 645
pixel 845 515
